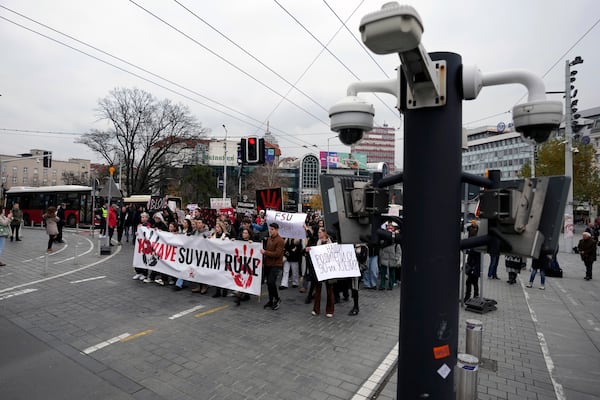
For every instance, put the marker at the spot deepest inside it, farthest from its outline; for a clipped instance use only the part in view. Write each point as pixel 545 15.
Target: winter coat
pixel 51 224
pixel 390 256
pixel 587 250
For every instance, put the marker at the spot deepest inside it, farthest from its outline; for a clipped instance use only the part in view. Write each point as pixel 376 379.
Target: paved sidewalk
pixel 537 344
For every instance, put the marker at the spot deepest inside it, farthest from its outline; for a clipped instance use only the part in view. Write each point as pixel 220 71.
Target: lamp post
pixel 225 165
pixel 569 217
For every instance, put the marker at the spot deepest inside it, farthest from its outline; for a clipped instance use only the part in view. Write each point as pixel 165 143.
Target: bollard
pixel 474 337
pixel 466 374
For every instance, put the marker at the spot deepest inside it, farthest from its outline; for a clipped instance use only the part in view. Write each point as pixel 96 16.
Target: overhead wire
pixel 226 61
pixel 137 67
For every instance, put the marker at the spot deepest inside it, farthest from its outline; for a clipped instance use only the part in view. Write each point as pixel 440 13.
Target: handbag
pixel 4 231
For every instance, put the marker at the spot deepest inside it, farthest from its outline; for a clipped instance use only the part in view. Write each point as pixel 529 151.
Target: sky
pixel 249 64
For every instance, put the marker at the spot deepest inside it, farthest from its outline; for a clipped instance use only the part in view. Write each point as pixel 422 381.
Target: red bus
pixel 33 201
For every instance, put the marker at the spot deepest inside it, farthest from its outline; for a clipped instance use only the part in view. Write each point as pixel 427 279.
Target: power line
pixel 132 73
pixel 293 86
pixel 227 61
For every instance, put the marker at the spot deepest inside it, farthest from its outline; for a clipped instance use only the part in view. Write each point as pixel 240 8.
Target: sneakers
pixel 268 305
pixel 542 288
pixel 147 280
pixel 329 315
pixel 282 287
pixel 159 281
pixel 276 304
pixel 314 313
pixel 529 285
pixel 137 276
pixel 142 277
pixel 353 312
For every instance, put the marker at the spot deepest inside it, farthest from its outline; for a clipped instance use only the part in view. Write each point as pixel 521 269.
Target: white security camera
pixel 350 117
pixel 393 29
pixel 537 119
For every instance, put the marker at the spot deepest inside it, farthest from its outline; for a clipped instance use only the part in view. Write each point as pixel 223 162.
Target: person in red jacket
pixel 112 222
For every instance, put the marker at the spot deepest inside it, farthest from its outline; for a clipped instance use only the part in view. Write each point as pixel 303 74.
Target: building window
pixel 25 180
pixel 25 170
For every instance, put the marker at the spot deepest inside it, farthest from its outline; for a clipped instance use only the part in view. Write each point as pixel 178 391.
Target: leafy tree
pixel 145 134
pixel 551 161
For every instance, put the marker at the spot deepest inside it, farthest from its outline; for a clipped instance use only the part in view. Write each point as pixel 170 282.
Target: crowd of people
pixel 286 261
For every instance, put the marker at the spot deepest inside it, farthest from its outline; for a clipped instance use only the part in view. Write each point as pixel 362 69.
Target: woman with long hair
pixel 51 221
pixel 330 303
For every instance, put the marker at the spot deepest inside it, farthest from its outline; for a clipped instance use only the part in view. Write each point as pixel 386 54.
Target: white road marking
pixel 105 343
pixel 593 325
pixel 567 295
pixel 89 279
pixel 17 293
pixel 181 314
pixel 105 258
pixel 558 388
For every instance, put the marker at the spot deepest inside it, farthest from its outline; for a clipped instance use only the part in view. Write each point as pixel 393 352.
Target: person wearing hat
pixel 587 250
pixel 273 262
pixel 60 213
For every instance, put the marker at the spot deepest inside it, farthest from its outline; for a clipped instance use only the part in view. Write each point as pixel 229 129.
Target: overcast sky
pixel 231 62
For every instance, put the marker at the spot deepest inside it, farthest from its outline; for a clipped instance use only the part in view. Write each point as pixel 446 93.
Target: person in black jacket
pixel 60 213
pixel 293 255
pixel 473 272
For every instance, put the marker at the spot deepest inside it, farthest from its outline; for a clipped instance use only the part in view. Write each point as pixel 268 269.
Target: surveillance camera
pixel 350 117
pixel 393 29
pixel 535 120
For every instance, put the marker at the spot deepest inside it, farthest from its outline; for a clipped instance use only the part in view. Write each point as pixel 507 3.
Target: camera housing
pixel 537 119
pixel 350 117
pixel 393 29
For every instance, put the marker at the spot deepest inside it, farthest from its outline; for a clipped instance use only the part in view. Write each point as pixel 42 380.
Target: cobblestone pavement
pixel 80 313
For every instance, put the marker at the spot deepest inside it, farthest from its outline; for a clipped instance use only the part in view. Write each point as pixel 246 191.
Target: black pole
pixel 428 340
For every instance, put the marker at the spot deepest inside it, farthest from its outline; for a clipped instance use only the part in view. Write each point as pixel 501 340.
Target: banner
pixel 229 264
pixel 334 261
pixel 269 199
pixel 291 225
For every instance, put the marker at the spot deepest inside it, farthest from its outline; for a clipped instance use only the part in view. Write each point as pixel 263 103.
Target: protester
pixel 141 273
pixel 4 231
pixel 16 216
pixel 330 302
pixel 273 264
pixel 51 220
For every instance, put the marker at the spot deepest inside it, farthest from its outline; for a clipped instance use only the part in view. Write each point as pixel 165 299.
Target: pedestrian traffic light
pixel 47 162
pixel 255 150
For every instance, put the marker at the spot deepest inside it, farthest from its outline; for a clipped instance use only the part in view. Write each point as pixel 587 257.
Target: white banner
pixel 229 264
pixel 291 225
pixel 334 261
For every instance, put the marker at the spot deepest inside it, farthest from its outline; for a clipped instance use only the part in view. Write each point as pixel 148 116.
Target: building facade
pixel 379 145
pixel 29 169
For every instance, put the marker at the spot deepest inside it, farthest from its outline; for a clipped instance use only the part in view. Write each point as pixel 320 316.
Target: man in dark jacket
pixel 587 251
pixel 473 272
pixel 273 262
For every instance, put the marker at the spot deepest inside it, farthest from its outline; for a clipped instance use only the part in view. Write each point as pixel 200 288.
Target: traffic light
pixel 241 152
pixel 254 150
pixel 47 162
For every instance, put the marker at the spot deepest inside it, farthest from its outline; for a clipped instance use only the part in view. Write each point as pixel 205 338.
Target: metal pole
pixel 428 334
pixel 569 217
pixel 225 165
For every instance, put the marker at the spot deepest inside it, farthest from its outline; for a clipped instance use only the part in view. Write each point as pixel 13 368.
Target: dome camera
pixel 350 117
pixel 537 119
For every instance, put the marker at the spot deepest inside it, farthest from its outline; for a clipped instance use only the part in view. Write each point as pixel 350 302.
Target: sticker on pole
pixel 444 371
pixel 441 352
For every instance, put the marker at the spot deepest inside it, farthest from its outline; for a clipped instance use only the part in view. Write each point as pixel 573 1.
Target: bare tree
pixel 145 135
pixel 265 177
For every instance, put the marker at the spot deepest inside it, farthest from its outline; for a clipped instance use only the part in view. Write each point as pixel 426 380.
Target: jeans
pixel 493 265
pixel 295 266
pixel 370 275
pixel 2 241
pixel 542 276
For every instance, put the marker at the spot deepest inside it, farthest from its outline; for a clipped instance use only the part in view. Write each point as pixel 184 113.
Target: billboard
pixel 343 160
pixel 216 153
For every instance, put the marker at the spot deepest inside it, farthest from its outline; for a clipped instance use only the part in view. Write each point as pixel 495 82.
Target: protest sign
pixel 291 225
pixel 334 260
pixel 229 264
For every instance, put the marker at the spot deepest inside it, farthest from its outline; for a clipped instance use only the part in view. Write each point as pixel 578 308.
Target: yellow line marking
pixel 137 335
pixel 212 310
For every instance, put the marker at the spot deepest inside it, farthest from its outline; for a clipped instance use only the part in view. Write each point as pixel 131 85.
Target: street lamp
pixel 225 165
pixel 569 218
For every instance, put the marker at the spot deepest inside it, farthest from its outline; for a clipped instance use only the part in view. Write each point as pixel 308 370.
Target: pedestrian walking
pixel 60 213
pixel 538 264
pixel 51 221
pixel 4 231
pixel 16 216
pixel 587 251
pixel 493 268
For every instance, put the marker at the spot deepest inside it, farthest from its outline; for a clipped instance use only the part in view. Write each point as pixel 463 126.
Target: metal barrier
pixel 466 374
pixel 473 343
